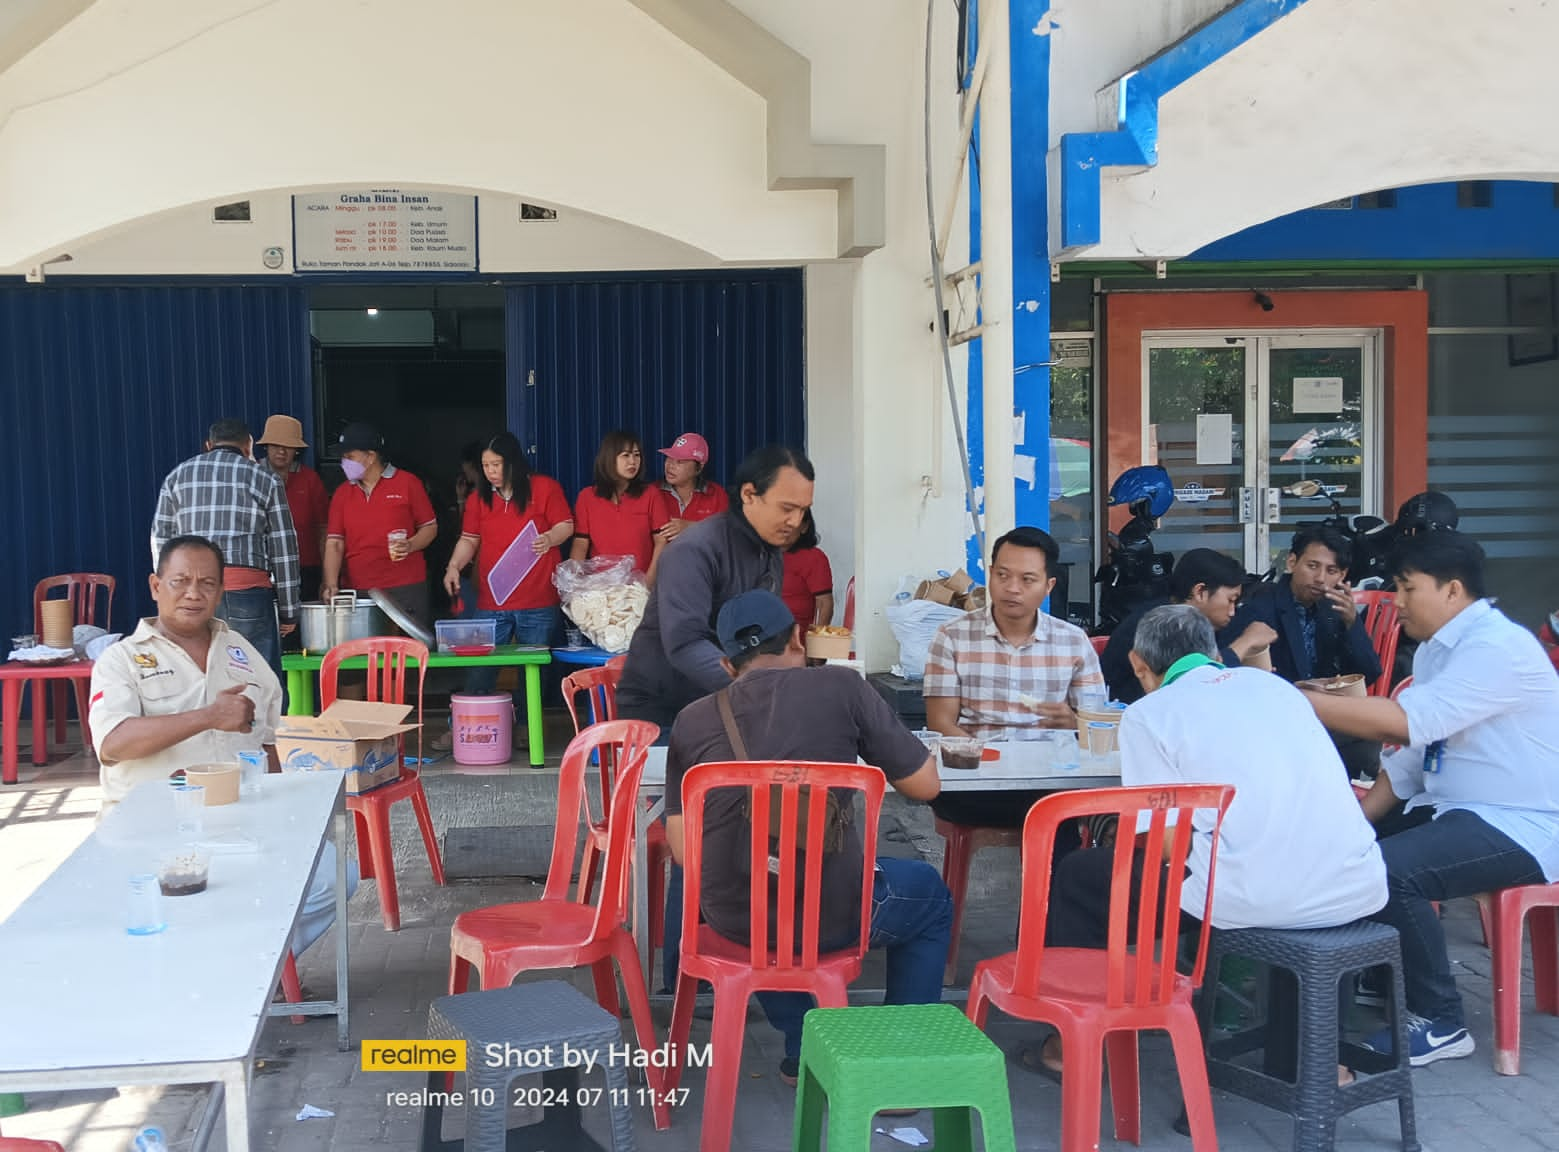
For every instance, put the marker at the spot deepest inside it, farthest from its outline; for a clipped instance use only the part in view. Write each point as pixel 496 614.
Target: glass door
pixel 1238 419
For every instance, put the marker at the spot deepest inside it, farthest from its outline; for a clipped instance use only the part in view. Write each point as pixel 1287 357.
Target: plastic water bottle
pixel 150 1140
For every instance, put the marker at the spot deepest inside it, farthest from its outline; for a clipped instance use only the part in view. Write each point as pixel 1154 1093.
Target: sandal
pixel 1032 1059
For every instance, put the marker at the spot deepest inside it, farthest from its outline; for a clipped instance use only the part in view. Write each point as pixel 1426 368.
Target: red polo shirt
pixel 807 576
pixel 710 500
pixel 310 507
pixel 364 520
pixel 625 529
pixel 495 529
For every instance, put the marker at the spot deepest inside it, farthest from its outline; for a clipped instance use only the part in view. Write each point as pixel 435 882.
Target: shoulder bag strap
pixel 728 718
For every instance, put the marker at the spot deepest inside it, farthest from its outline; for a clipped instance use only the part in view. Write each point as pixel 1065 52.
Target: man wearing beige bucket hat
pixel 306 497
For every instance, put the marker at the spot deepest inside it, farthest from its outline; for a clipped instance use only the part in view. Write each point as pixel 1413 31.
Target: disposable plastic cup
pixel 189 810
pixel 396 537
pixel 144 913
pixel 1101 737
pixel 1093 699
pixel 251 766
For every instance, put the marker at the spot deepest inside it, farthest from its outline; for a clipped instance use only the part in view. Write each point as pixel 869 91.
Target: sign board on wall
pixel 384 229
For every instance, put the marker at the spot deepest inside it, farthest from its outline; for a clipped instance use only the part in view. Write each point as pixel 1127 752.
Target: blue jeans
pixel 912 917
pixel 252 614
pixel 521 626
pixel 1455 854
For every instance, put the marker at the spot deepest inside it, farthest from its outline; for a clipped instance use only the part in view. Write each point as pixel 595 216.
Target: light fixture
pixel 372 311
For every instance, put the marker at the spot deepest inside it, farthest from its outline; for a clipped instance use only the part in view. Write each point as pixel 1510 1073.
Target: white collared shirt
pixel 1483 685
pixel 146 674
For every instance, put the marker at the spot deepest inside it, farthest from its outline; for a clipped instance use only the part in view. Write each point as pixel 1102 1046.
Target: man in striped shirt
pixel 240 505
pixel 1010 667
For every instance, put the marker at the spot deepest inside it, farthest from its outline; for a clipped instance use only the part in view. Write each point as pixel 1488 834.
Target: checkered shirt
pixel 969 659
pixel 241 506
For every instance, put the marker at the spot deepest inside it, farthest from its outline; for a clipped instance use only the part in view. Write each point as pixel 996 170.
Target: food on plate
pixel 827 630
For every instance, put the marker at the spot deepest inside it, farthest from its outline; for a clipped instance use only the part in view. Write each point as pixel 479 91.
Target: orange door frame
pixel 1403 318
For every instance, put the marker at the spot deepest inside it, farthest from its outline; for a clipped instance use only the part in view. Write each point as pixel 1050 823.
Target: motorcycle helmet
pixel 1148 483
pixel 1427 512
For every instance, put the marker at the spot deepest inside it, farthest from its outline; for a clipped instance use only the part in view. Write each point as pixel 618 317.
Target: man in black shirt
pixel 784 710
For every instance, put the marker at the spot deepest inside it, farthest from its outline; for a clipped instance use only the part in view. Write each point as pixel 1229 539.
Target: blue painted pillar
pixel 1030 47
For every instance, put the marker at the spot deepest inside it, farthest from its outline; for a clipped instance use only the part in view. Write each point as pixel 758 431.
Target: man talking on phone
pixel 1320 633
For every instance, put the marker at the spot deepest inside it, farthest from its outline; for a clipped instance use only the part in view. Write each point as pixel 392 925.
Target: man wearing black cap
pixel 380 521
pixel 783 710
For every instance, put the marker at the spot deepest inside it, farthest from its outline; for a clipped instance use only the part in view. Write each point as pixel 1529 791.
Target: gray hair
pixel 1166 634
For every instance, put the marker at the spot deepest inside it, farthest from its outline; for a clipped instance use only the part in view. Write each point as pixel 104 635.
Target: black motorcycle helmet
pixel 1427 512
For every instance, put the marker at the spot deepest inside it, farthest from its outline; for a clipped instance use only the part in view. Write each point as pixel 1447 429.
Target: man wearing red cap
pixel 697 498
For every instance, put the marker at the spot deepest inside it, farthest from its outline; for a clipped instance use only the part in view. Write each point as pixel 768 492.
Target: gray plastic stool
pixel 528 1017
pixel 1299 1069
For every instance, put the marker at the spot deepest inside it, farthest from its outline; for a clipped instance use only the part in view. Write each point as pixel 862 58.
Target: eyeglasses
pixel 182 584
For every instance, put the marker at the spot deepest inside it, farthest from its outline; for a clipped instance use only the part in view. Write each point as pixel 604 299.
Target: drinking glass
pixel 189 810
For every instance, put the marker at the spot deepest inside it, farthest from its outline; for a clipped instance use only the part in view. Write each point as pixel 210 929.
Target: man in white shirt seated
pixel 1477 760
pixel 185 689
pixel 1295 851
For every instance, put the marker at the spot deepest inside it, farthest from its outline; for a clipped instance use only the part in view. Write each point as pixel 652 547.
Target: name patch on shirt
pixel 238 655
pixel 152 674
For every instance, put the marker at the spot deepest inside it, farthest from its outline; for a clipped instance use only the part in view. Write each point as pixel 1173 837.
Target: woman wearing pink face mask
pixel 380 521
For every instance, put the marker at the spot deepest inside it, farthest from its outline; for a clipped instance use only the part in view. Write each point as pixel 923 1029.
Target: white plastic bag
pixel 914 624
pixel 605 597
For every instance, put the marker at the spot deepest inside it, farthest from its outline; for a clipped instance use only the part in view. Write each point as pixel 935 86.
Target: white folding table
pixel 1052 765
pixel 90 1006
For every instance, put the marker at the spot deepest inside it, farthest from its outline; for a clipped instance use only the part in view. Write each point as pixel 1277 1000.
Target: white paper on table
pixel 914 1137
pixel 1215 438
pixel 1321 394
pixel 514 565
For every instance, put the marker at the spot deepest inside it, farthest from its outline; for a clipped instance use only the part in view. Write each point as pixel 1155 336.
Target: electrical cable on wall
pixel 937 277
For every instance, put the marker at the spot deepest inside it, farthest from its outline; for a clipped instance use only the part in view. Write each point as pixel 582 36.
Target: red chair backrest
pixel 601 685
pixel 849 605
pixel 1384 627
pixel 763 779
pixel 387 659
pixel 23 1144
pixel 81 589
pixel 1158 894
pixel 1099 644
pixel 618 663
pixel 626 743
pixel 1407 682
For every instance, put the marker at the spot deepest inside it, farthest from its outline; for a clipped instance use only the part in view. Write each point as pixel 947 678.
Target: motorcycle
pixel 1134 572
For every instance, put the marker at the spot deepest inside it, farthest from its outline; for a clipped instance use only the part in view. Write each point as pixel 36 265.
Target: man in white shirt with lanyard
pixel 1477 761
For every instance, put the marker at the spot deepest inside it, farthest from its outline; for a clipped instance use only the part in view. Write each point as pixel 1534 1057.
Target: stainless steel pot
pixel 321 626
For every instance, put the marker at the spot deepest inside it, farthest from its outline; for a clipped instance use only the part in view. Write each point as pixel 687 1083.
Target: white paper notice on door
pixel 1318 394
pixel 1215 438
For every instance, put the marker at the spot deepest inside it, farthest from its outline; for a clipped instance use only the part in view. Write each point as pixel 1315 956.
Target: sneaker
pixel 1370 989
pixel 790 1071
pixel 1427 1041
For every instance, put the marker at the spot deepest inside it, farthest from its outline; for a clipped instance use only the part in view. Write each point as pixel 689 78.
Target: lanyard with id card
pixel 1434 757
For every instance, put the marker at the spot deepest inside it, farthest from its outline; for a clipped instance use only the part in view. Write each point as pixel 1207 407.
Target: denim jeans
pixel 319 903
pixel 252 614
pixel 912 918
pixel 1455 854
pixel 521 626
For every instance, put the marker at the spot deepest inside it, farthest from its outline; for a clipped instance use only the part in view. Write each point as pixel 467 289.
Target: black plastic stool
pixel 1299 1040
pixel 537 1017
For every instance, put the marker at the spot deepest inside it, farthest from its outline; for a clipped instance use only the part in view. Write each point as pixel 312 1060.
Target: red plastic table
pixel 12 676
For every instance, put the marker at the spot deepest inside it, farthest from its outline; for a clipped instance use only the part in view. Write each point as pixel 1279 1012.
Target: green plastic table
pixel 300 684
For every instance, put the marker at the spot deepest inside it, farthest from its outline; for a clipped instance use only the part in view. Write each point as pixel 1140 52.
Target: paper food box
pixel 828 643
pixel 351 736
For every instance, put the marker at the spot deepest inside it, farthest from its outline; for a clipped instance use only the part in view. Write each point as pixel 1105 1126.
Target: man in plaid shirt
pixel 240 505
pixel 1009 667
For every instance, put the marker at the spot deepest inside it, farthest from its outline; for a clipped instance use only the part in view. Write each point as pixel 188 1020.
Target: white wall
pixel 134 109
pixel 832 304
pixel 1337 98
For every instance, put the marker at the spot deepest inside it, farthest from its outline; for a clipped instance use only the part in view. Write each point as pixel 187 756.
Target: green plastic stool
pixel 858 1061
pixel 12 1104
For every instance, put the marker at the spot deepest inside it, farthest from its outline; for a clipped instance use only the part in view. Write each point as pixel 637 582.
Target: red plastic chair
pixel 600 687
pixel 1104 999
pixel 291 986
pixel 787 961
pixel 1385 631
pixel 964 841
pixel 1099 644
pixel 387 657
pixel 22 1144
pixel 81 589
pixel 1504 914
pixel 504 940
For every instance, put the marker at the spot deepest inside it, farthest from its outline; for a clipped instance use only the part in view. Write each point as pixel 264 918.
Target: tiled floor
pixel 1461 1104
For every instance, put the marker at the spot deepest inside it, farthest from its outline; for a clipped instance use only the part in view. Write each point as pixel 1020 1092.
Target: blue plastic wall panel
pixel 102 391
pixel 721 355
pixel 1520 223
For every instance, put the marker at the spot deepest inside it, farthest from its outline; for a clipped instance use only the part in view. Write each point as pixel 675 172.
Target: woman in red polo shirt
pixel 621 515
pixel 306 498
pixel 696 498
pixel 809 582
pixel 380 521
pixel 509 497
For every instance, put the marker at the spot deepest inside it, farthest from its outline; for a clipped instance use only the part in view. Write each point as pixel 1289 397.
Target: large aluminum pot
pixel 321 626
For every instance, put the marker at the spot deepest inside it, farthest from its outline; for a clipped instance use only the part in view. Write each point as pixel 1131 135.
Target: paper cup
pixel 58 623
pixel 1351 685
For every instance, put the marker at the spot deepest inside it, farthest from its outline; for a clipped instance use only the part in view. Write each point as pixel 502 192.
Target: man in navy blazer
pixel 1320 633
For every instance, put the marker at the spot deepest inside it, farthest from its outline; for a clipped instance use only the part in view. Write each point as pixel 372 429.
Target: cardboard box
pixel 935 591
pixel 351 736
pixel 821 646
pixel 959 582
